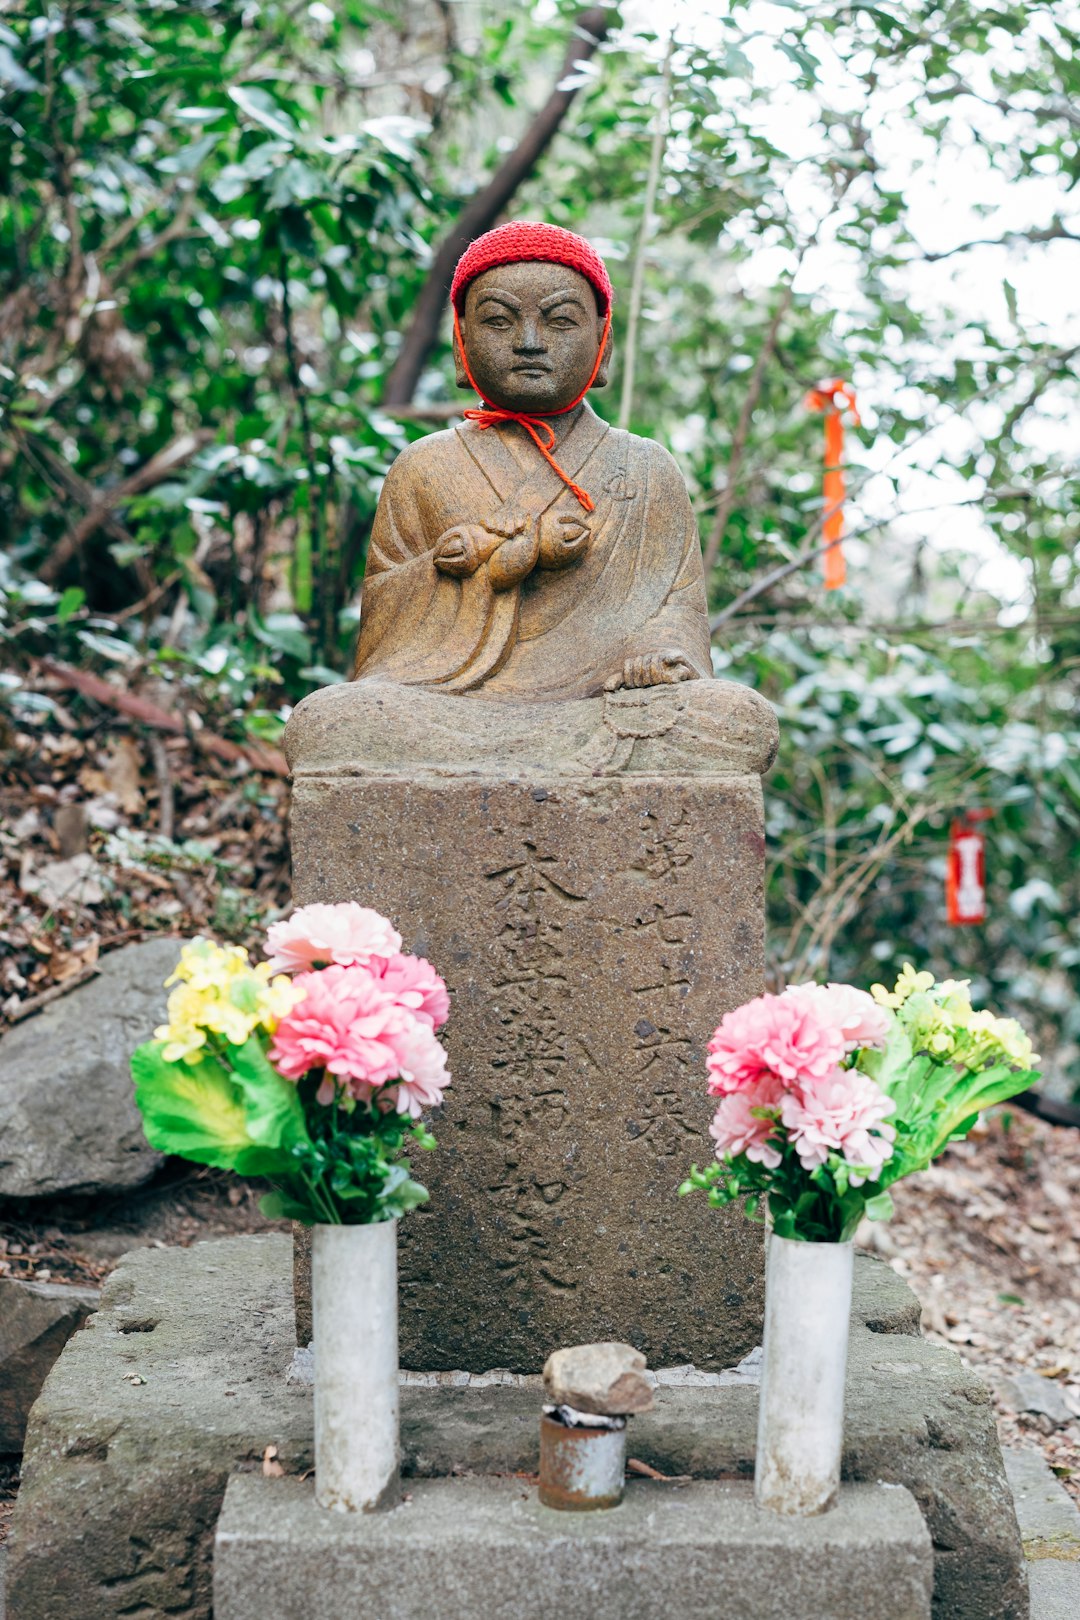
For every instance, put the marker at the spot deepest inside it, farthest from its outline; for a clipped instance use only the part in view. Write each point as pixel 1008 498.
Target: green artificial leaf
pixel 880 1207
pixel 277 1205
pixel 194 1110
pixel 273 1110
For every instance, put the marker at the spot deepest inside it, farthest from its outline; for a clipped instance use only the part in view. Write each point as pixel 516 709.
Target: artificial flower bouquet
pixel 310 1069
pixel 828 1095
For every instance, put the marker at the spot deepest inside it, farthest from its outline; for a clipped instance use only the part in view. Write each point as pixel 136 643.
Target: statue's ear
pixel 601 378
pixel 459 366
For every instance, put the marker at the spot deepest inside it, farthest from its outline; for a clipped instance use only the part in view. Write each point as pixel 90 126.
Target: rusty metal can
pixel 581 1468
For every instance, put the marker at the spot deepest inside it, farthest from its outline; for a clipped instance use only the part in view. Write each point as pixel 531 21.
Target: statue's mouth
pixel 532 368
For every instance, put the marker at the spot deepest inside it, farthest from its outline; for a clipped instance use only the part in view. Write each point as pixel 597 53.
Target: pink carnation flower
pixel 414 983
pixel 344 1024
pixel 842 1113
pixel 779 1035
pixel 737 1129
pixel 853 1012
pixel 346 935
pixel 421 1061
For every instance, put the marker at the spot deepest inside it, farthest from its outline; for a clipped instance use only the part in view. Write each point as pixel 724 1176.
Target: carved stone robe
pixel 608 585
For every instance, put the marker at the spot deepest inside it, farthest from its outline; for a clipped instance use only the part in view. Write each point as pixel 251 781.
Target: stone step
pixel 462 1548
pixel 1048 1517
pixel 1050 1527
pixel 181 1379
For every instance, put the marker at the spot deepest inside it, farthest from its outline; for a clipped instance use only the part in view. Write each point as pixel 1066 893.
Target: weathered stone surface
pixel 68 1121
pixel 603 1378
pixel 592 931
pixel 378 729
pixel 470 1547
pixel 123 1481
pixel 1048 1517
pixel 36 1321
pixel 1055 1590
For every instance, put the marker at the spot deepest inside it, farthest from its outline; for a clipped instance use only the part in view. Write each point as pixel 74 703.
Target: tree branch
pixel 742 429
pixel 648 221
pixel 481 213
pixel 104 502
pixel 1054 232
pixel 158 719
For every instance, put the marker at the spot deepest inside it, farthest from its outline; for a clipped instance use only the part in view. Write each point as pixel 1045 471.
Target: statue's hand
pixel 460 551
pixel 653 669
pixel 563 541
pixel 515 558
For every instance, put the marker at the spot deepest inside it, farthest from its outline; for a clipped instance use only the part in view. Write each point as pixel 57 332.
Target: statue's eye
pixel 499 321
pixel 563 320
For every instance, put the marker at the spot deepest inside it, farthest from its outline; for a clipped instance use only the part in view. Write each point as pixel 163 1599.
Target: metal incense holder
pixel 582 1459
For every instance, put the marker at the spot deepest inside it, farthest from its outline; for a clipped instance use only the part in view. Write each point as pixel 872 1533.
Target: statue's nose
pixel 530 339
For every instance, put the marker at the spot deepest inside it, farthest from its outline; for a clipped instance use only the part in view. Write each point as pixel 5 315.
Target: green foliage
pixel 215 221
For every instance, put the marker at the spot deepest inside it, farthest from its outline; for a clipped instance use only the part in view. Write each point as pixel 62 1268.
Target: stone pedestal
pixel 592 931
pixel 182 1378
pixel 463 1548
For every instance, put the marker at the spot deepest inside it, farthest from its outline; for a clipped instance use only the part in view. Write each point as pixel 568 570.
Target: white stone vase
pixel 801 1413
pixel 354 1301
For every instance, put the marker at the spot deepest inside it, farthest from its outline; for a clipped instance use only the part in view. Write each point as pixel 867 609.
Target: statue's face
pixel 531 334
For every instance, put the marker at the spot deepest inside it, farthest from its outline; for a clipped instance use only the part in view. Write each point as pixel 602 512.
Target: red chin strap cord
pixel 535 422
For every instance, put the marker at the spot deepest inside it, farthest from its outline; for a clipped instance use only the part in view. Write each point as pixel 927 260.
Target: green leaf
pixel 273 1111
pixel 196 1110
pixel 70 603
pixel 277 1205
pixel 263 109
pixel 880 1207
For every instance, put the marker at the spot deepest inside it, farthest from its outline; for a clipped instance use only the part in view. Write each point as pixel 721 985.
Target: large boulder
pixel 68 1121
pixel 36 1321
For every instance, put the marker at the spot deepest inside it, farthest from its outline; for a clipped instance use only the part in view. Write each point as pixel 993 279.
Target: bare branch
pixel 742 429
pixel 648 224
pixel 1055 232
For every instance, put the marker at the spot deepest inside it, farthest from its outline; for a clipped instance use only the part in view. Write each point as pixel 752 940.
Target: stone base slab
pixel 462 1548
pixel 181 1379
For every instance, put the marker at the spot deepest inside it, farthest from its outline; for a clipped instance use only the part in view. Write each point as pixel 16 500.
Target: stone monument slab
pixel 591 931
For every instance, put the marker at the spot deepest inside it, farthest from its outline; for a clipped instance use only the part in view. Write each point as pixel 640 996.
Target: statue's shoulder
pixel 659 465
pixel 423 454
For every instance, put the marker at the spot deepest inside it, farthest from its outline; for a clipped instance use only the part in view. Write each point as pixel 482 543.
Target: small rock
pixel 602 1378
pixel 72 830
pixel 1027 1392
pixel 36 1321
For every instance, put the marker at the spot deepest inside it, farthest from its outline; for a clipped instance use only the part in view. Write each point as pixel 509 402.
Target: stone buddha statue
pixel 535 774
pixel 534 594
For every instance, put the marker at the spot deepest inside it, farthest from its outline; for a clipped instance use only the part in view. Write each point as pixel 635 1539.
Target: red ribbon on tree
pixel 834 398
pixel 965 875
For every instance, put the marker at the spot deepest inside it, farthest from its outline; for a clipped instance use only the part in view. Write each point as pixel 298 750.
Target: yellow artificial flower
pixel 184 1034
pixel 219 992
pixel 907 984
pixel 205 964
pixel 1000 1038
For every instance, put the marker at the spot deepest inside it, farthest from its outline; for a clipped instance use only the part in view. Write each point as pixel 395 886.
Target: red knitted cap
pixel 526 239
